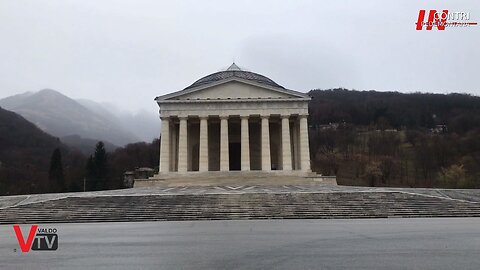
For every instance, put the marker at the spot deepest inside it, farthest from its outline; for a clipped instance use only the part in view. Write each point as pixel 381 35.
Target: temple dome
pixel 234 72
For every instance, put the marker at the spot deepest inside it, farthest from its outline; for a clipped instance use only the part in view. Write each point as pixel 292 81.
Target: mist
pixel 128 52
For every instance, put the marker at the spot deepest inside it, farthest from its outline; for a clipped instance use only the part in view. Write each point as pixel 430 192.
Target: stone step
pixel 238 206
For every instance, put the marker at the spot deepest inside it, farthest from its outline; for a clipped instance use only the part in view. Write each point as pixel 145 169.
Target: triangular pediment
pixel 233 89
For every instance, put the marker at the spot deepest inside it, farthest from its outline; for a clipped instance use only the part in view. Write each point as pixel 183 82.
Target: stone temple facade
pixel 234 120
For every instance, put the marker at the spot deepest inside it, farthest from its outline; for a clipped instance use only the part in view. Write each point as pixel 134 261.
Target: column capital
pixel 224 117
pixel 203 117
pixel 182 117
pixel 265 116
pixel 163 118
pixel 244 116
pixel 303 115
pixel 283 116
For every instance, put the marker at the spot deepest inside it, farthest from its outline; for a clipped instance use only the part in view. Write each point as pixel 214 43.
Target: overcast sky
pixel 128 52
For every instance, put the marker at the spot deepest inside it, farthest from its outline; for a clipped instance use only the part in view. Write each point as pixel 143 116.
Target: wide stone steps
pixel 238 206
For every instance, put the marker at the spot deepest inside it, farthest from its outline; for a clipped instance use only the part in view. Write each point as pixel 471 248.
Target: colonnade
pixel 180 154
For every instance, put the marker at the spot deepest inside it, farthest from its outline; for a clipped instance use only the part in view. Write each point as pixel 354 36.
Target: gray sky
pixel 128 52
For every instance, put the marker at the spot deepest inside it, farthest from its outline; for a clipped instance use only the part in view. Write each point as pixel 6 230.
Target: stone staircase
pixel 217 178
pixel 238 206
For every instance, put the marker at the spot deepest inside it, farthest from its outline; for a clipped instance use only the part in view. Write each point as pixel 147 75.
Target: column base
pixel 234 178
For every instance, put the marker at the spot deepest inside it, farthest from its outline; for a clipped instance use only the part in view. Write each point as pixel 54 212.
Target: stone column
pixel 304 145
pixel 203 147
pixel 286 148
pixel 165 146
pixel 245 144
pixel 295 144
pixel 224 155
pixel 182 145
pixel 266 160
pixel 173 147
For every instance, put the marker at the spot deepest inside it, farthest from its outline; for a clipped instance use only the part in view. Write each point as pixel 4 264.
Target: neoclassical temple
pixel 234 120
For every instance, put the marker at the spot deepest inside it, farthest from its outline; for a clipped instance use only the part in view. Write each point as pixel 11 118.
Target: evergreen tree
pixel 55 174
pixel 101 171
pixel 96 169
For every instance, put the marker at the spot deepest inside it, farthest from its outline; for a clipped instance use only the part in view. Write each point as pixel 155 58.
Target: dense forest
pixel 393 139
pixel 365 138
pixel 25 157
pixel 32 161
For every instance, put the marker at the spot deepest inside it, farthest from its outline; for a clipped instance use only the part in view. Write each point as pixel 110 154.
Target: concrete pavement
pixel 440 243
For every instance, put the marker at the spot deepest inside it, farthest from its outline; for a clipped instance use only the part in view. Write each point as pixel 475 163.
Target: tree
pixel 372 173
pixel 100 161
pixel 130 157
pixel 454 176
pixel 55 174
pixel 96 169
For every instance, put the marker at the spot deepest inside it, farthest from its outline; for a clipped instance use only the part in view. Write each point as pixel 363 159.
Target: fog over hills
pixel 62 116
pixel 143 124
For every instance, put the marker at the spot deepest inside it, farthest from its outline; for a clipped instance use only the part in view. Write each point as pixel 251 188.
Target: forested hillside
pixel 365 138
pixel 28 164
pixel 25 154
pixel 461 112
pixel 394 139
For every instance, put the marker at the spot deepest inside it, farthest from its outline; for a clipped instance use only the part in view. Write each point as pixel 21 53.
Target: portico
pixel 234 120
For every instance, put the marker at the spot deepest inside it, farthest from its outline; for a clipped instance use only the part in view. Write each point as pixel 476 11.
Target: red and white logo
pixel 37 239
pixel 443 19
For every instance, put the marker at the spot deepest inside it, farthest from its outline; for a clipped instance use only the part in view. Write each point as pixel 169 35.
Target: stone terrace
pixel 239 202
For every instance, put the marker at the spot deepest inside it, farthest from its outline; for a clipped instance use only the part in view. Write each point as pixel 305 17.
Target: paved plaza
pixel 435 243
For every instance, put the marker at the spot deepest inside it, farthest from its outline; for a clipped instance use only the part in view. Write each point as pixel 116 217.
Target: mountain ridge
pixel 25 152
pixel 61 116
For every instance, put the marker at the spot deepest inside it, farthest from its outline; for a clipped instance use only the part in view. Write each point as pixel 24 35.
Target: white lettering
pixel 50 244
